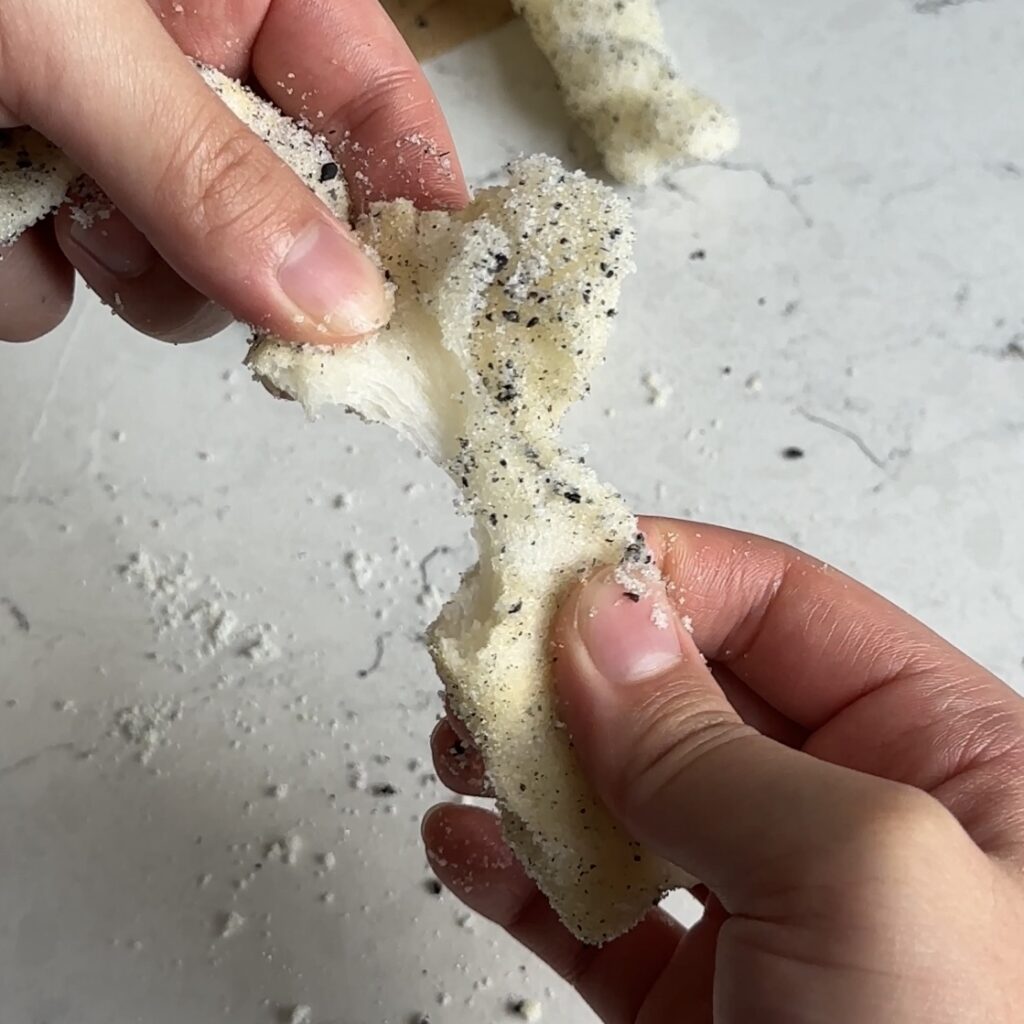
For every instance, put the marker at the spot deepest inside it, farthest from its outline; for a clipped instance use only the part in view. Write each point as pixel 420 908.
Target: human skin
pixel 848 785
pixel 209 225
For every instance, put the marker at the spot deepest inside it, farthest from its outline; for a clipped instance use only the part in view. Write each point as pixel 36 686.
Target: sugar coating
pixel 502 311
pixel 34 178
pixel 620 82
pixel 308 155
pixel 35 175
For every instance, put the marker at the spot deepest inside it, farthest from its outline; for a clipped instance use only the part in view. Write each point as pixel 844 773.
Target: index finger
pixel 803 635
pixel 345 68
pixel 876 690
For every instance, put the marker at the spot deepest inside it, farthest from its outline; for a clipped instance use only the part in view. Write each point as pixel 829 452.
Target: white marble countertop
pixel 859 297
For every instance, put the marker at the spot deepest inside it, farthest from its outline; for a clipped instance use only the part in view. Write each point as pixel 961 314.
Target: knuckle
pixel 678 733
pixel 35 56
pixel 897 830
pixel 16 41
pixel 221 180
pixel 394 88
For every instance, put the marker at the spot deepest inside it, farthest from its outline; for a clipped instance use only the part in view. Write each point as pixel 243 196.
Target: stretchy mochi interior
pixel 620 82
pixel 502 311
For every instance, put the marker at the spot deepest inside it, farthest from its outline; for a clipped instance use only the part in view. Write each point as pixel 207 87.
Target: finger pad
pixel 458 766
pixel 36 286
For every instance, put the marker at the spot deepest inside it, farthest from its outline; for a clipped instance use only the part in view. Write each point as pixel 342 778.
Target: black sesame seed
pixel 793 453
pixel 329 171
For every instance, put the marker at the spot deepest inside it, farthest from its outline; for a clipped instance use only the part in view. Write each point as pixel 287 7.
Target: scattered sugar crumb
pixel 361 567
pixel 231 923
pixel 221 628
pixel 527 1009
pixel 357 775
pixel 301 1014
pixel 145 726
pixel 659 391
pixel 637 571
pixel 286 850
pixel 261 648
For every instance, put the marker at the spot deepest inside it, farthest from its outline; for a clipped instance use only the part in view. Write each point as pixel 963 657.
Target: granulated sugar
pixel 146 726
pixel 194 611
pixel 527 1009
pixel 231 924
pixel 659 390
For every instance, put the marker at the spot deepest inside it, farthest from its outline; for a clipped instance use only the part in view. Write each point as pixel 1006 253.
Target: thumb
pixel 209 195
pixel 677 766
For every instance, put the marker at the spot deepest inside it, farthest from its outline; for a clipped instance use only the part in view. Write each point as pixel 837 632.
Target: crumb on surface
pixel 526 1009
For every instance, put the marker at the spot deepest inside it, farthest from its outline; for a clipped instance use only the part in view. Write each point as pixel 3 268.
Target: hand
pixel 849 787
pixel 204 210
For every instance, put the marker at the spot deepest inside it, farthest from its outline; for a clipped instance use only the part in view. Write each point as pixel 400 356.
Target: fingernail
pixel 334 283
pixel 111 239
pixel 629 637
